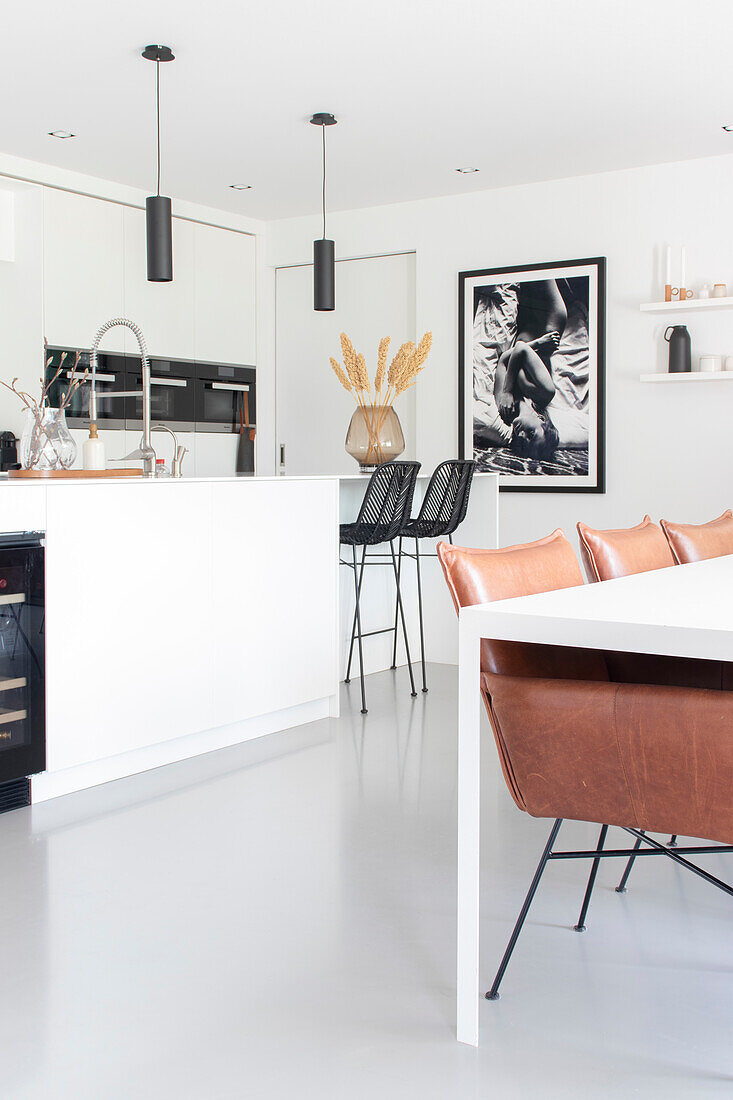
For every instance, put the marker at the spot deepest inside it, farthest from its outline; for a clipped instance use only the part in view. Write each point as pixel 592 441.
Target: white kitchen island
pixel 181 616
pixel 186 615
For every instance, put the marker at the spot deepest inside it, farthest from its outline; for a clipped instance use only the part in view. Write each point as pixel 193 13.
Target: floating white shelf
pixel 689 304
pixel 690 376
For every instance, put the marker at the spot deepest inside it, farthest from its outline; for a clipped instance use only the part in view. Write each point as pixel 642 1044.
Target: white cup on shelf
pixel 709 364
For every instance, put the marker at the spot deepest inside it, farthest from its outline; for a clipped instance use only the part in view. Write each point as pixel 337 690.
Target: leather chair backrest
pixel 482 576
pixel 626 550
pixel 698 541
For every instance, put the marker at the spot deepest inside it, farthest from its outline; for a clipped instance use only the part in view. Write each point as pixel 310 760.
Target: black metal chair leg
pixel 358 630
pixel 493 994
pixel 419 611
pixel 580 926
pixel 621 888
pixel 396 608
pixel 357 587
pixel 402 618
pixel 672 842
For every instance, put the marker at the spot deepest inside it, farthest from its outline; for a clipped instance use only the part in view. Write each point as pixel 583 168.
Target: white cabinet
pixel 185 608
pixel 164 311
pixel 138 561
pixel 95 268
pixel 82 269
pixel 225 296
pixel 274 604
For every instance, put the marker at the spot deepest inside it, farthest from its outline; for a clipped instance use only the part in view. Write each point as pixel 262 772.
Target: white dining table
pixel 684 611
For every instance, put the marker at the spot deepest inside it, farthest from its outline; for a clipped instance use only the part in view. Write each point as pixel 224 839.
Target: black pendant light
pixel 158 224
pixel 324 267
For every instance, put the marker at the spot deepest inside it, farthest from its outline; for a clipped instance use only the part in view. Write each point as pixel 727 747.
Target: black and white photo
pixel 531 374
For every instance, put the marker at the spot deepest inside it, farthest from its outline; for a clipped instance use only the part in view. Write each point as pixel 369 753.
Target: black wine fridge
pixel 22 661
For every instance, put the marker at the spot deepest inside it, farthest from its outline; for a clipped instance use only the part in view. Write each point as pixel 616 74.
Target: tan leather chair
pixel 623 551
pixel 576 744
pixel 699 541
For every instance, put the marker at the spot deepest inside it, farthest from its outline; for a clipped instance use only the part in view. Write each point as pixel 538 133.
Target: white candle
pixel 668 275
pixel 683 267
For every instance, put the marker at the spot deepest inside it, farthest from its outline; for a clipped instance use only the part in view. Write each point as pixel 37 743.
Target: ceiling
pixel 524 90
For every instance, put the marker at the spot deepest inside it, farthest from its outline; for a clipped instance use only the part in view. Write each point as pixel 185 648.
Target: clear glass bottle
pixel 161 470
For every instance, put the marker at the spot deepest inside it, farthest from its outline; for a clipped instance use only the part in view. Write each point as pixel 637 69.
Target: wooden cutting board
pixel 123 472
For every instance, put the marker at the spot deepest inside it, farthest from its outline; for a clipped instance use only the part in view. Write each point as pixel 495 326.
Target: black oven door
pixel 111 378
pixel 171 395
pixel 225 398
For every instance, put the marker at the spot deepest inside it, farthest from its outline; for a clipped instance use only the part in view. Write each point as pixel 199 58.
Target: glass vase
pixel 374 436
pixel 46 442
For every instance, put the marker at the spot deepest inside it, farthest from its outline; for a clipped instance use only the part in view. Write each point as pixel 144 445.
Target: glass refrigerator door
pixel 22 703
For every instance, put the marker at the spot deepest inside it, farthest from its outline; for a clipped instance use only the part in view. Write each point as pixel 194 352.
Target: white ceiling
pixel 521 89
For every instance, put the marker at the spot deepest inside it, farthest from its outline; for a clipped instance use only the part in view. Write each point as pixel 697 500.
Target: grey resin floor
pixel 278 920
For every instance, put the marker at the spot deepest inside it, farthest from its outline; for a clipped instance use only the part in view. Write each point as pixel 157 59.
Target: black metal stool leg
pixel 621 888
pixel 402 618
pixel 493 994
pixel 580 926
pixel 672 842
pixel 396 608
pixel 357 587
pixel 358 628
pixel 419 610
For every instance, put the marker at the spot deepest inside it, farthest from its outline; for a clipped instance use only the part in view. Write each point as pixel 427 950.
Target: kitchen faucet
pixel 179 452
pixel 146 452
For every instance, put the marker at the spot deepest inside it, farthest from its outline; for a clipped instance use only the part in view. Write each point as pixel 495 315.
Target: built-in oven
pixel 172 399
pixel 111 378
pixel 22 663
pixel 225 398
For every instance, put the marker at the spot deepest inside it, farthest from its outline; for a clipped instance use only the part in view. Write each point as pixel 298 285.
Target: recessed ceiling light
pixel 61 134
pixel 466 171
pixel 728 129
pixel 240 186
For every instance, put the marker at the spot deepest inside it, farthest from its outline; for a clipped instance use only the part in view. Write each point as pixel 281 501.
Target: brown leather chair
pixel 621 552
pixel 574 743
pixel 699 541
pixel 624 550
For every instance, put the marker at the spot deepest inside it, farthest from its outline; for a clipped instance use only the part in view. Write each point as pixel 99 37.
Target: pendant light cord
pixel 157 115
pixel 323 135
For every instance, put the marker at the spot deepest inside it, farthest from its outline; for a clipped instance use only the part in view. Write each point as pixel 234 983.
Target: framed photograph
pixel 531 366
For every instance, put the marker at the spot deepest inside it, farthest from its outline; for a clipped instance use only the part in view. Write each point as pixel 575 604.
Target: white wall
pixel 376 298
pixel 669 448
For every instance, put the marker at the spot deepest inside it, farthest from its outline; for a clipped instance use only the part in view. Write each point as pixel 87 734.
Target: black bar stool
pixel 383 513
pixel 443 508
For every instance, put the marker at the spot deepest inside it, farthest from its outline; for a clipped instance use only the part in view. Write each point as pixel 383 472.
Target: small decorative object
pixel 668 275
pixel 679 292
pixel 706 291
pixel 720 290
pixel 375 434
pixel 680 359
pixel 46 442
pixel 709 364
pixel 531 347
pixel 682 292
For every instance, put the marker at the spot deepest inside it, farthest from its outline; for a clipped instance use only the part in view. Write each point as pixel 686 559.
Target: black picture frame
pixel 539 481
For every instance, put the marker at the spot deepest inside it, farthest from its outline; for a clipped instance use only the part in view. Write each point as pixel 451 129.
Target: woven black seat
pixel 443 508
pixel 383 513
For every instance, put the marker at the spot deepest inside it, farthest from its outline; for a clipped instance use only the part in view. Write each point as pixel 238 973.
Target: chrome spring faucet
pixel 147 454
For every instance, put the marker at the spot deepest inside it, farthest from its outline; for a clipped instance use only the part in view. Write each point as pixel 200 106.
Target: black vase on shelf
pixel 680 358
